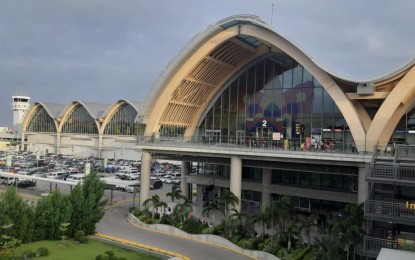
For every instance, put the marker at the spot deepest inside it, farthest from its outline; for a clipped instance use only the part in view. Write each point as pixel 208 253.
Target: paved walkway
pixel 115 224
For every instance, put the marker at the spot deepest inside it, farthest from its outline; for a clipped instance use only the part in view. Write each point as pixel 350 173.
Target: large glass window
pixel 123 122
pixel 275 97
pixel 41 121
pixel 79 121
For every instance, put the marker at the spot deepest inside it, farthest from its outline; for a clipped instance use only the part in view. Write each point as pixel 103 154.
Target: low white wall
pixel 203 237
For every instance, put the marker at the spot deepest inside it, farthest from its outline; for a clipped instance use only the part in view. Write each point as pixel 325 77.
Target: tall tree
pixel 308 222
pixel 13 209
pixel 228 198
pixel 51 211
pixel 89 203
pixel 350 226
pixel 211 208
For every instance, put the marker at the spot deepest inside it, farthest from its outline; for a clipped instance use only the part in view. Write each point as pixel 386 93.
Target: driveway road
pixel 115 224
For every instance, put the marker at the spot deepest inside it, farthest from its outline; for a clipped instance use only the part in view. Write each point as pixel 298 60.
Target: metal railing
pixel 390 211
pixel 293 144
pixel 393 172
pixel 372 245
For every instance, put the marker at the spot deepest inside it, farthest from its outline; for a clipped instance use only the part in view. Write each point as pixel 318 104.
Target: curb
pixel 143 246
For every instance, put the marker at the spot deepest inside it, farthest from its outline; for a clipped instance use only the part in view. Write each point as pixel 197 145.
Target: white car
pixel 165 178
pixel 75 178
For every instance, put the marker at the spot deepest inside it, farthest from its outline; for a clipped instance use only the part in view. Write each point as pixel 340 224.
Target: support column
pixel 266 181
pixel 363 189
pixel 236 179
pixel 99 145
pixel 145 177
pixel 22 142
pixel 58 143
pixel 184 185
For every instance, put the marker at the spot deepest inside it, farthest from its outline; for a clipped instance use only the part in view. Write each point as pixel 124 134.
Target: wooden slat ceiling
pixel 203 81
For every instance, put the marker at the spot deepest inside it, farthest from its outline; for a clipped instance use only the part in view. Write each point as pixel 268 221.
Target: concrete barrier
pixel 214 239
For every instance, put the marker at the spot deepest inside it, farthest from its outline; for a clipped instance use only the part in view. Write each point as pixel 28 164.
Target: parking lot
pixel 38 174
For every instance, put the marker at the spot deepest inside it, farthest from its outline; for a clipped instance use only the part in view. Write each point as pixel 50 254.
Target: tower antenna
pixel 272 13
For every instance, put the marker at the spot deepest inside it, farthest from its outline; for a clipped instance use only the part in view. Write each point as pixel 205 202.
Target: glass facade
pixel 273 100
pixel 41 122
pixel 79 121
pixel 317 180
pixel 123 122
pixel 405 130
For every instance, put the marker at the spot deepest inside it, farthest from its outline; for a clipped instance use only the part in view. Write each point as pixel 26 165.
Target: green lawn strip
pixel 86 251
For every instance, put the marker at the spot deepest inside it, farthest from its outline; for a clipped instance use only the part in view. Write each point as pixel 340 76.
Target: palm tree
pixel 290 229
pixel 211 209
pixel 331 247
pixel 181 212
pixel 156 202
pixel 264 218
pixel 243 222
pixel 228 198
pixel 307 222
pixel 350 227
pixel 176 193
pixel 282 210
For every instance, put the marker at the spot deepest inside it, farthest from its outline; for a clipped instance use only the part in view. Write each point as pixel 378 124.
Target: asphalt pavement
pixel 115 224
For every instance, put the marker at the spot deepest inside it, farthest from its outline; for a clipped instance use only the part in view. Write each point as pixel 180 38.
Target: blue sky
pixel 105 50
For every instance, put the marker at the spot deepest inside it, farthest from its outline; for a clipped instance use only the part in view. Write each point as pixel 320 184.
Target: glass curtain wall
pixel 273 100
pixel 41 122
pixel 80 121
pixel 405 130
pixel 123 122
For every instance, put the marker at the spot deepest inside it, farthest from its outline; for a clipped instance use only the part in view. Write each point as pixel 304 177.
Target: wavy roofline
pixel 243 19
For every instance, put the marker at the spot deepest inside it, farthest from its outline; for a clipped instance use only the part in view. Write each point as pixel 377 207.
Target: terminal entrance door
pixel 213 136
pixel 264 136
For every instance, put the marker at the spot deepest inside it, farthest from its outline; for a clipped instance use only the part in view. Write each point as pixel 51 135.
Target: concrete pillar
pixel 58 143
pixel 363 189
pixel 22 142
pixel 236 179
pixel 145 177
pixel 99 145
pixel 266 181
pixel 184 185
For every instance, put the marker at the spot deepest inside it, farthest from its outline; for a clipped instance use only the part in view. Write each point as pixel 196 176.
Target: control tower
pixel 20 105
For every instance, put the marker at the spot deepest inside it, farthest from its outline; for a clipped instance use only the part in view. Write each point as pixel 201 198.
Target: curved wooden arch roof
pixel 191 80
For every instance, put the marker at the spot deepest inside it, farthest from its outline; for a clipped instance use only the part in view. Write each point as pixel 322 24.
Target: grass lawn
pixel 86 251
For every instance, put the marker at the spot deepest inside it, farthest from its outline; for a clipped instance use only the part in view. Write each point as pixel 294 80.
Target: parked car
pixel 129 176
pixel 156 184
pixel 75 178
pixel 26 183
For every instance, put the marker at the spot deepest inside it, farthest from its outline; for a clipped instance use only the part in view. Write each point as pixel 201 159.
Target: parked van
pixel 55 175
pixel 76 178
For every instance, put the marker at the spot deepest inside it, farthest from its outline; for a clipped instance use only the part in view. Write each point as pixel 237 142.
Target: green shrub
pixel 311 255
pixel 80 237
pixel 273 246
pixel 243 242
pixel 193 226
pixel 109 253
pixel 213 230
pixel 28 253
pixel 282 253
pixel 43 251
pixel 235 239
pixel 298 253
pixel 167 220
pixel 102 257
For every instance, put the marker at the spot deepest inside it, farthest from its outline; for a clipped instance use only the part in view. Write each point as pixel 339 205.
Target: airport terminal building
pixel 252 112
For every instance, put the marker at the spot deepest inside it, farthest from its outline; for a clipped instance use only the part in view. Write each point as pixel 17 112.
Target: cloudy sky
pixel 57 51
